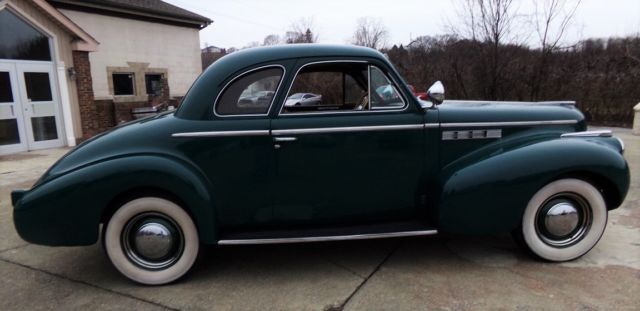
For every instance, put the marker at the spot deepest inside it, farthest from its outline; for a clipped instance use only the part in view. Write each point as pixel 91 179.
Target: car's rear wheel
pixel 564 220
pixel 151 240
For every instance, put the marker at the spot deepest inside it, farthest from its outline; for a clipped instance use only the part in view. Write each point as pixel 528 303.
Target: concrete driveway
pixel 435 272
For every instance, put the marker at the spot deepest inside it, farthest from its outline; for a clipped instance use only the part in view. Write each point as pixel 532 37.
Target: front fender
pixel 487 192
pixel 67 210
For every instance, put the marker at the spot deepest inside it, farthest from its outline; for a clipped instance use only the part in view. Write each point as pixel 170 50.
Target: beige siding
pixel 126 40
pixel 62 52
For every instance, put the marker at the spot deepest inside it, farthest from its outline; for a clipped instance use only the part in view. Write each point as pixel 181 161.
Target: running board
pixel 327 238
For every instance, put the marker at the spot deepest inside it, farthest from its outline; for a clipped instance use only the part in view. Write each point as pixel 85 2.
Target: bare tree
pixel 370 32
pixel 252 44
pixel 629 53
pixel 302 31
pixel 491 24
pixel 494 21
pixel 552 19
pixel 271 40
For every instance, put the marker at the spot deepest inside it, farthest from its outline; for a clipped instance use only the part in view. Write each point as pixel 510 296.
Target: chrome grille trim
pixel 472 134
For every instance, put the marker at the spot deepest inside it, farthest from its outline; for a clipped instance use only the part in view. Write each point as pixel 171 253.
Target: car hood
pixel 499 112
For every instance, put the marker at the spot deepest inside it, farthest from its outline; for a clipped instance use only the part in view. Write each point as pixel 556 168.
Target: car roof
pixel 277 52
pixel 196 105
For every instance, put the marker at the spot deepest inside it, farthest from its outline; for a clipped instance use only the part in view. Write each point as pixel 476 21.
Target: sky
pixel 239 22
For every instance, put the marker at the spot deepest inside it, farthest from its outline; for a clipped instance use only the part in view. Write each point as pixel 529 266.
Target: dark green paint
pixel 230 184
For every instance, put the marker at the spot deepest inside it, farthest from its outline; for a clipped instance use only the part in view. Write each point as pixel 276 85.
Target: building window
pixel 19 40
pixel 154 84
pixel 123 84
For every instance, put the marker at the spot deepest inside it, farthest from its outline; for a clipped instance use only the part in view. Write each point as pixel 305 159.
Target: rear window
pixel 251 94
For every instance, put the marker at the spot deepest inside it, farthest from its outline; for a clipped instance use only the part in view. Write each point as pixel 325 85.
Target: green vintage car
pixel 368 160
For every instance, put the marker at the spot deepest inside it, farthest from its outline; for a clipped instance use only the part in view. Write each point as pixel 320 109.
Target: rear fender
pixel 94 186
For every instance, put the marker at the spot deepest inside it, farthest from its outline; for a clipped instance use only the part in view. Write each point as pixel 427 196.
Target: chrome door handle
pixel 284 139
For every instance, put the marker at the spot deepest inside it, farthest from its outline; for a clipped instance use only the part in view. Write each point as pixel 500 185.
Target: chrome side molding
pixel 522 103
pixel 223 133
pixel 328 238
pixel 348 129
pixel 503 124
pixel 599 133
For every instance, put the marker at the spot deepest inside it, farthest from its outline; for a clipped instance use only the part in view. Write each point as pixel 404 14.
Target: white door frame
pixel 28 107
pixel 15 111
pixel 64 116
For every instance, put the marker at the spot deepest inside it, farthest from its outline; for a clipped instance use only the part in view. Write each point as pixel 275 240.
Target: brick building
pixel 70 69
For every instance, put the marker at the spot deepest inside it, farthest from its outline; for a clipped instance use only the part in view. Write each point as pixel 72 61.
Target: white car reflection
pixel 303 99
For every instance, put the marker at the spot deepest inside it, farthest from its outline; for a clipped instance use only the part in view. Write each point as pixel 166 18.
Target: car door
pixel 235 150
pixel 355 156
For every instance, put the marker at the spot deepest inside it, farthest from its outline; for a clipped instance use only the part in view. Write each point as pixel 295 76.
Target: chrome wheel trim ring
pixel 152 241
pixel 563 220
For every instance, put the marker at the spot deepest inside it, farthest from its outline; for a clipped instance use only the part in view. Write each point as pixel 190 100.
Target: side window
pixel 384 93
pixel 251 93
pixel 329 87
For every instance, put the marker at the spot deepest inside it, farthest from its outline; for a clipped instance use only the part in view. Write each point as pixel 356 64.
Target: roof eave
pixel 196 23
pixel 86 42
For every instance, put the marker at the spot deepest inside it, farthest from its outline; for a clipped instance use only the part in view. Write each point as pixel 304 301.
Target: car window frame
pixel 393 84
pixel 241 75
pixel 334 112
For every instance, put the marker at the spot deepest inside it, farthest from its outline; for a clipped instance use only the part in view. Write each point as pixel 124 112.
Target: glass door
pixel 39 105
pixel 12 135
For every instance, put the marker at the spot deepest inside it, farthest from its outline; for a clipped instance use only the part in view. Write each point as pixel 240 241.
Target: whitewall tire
pixel 151 241
pixel 564 220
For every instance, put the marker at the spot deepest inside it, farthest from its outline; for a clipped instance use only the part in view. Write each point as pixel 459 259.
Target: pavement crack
pixel 345 268
pixel 355 291
pixel 13 248
pixel 88 284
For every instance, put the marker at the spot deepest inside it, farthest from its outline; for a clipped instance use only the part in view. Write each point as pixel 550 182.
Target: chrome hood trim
pixel 599 133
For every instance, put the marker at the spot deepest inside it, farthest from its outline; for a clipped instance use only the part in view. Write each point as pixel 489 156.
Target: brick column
pixel 84 85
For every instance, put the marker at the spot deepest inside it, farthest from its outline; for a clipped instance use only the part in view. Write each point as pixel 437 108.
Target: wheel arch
pixel 170 179
pixel 604 184
pixel 488 194
pixel 139 192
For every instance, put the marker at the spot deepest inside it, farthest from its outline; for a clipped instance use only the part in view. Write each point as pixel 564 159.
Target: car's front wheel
pixel 151 240
pixel 563 220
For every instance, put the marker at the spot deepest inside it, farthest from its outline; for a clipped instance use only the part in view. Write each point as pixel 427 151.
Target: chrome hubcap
pixel 563 220
pixel 152 241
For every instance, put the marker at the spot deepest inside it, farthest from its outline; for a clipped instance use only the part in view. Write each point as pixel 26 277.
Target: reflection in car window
pixel 384 95
pixel 329 86
pixel 250 94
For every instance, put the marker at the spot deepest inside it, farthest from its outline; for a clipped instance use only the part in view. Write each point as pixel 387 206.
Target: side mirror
pixel 436 93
